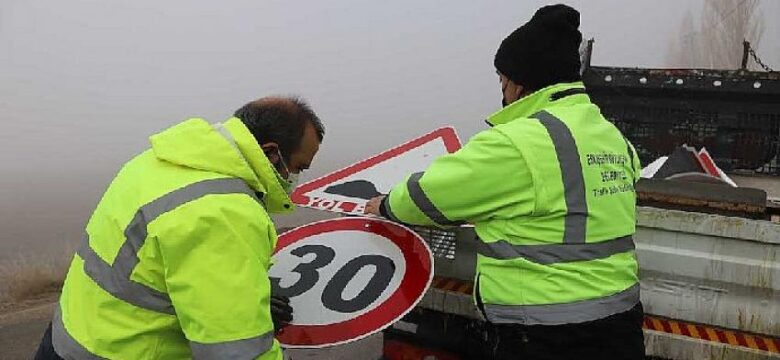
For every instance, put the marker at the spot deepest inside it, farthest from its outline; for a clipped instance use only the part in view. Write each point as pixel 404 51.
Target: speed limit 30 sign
pixel 348 278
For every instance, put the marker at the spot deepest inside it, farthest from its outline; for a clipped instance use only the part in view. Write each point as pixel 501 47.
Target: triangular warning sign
pixel 347 190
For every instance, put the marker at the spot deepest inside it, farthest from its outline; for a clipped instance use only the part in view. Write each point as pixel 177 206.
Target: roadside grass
pixel 29 278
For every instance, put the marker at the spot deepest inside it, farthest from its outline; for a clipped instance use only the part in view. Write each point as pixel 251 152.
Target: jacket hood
pixel 233 152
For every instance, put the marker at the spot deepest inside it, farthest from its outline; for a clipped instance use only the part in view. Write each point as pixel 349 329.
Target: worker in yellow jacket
pixel 175 258
pixel 549 188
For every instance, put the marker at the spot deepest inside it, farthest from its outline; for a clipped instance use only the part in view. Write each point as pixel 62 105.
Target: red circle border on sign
pixel 403 300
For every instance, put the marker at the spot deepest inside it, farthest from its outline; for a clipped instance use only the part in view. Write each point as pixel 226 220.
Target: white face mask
pixel 292 178
pixel 293 181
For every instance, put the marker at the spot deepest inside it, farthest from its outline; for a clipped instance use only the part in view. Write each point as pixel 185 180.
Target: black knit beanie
pixel 544 51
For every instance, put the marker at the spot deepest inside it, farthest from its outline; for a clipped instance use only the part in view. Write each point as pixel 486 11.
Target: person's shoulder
pixel 499 140
pixel 493 135
pixel 518 128
pixel 223 199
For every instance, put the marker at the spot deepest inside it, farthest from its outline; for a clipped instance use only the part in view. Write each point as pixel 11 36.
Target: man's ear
pixel 519 90
pixel 271 151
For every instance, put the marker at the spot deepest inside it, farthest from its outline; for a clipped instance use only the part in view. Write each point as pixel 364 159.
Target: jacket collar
pixel 534 102
pixel 275 198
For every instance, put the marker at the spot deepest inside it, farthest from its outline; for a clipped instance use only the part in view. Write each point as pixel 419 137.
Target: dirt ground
pixel 23 324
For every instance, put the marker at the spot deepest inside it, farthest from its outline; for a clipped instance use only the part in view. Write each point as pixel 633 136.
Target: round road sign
pixel 348 278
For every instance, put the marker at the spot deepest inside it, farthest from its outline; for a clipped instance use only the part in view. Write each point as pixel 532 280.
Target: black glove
pixel 281 311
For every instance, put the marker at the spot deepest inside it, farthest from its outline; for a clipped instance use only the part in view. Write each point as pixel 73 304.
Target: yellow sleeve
pixel 216 252
pixel 487 178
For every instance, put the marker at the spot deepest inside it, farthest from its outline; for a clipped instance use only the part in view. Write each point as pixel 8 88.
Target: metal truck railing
pixel 733 113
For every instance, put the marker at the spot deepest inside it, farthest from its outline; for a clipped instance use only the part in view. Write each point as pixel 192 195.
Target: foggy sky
pixel 84 83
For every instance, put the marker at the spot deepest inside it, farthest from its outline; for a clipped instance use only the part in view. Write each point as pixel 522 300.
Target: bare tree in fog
pixel 717 42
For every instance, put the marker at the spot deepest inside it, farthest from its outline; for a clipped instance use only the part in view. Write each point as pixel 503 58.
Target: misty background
pixel 84 83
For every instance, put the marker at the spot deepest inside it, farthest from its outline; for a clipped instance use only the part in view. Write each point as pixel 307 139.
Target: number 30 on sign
pixel 348 278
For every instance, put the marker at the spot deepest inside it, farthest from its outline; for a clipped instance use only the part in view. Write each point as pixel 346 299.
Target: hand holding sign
pixel 281 311
pixel 372 206
pixel 348 278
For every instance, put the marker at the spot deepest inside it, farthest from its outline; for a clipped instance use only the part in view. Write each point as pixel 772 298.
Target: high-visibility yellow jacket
pixel 550 191
pixel 175 258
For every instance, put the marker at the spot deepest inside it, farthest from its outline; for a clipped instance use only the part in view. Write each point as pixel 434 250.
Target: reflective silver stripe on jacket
pixel 575 223
pixel 65 345
pixel 573 247
pixel 555 253
pixel 424 203
pixel 115 279
pixel 239 349
pixel 557 314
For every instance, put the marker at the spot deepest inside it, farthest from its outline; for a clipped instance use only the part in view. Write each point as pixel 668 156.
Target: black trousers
pixel 617 337
pixel 46 348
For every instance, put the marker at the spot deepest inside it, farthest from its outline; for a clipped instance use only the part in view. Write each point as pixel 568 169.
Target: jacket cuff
pixel 384 209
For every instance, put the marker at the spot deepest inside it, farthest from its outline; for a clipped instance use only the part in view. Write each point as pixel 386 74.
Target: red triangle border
pixel 448 134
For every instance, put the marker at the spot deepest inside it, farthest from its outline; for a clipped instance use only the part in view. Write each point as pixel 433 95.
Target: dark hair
pixel 280 120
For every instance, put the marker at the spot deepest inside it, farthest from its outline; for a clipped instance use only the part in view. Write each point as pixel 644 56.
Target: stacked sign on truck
pixel 687 164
